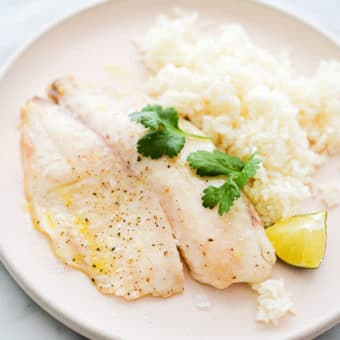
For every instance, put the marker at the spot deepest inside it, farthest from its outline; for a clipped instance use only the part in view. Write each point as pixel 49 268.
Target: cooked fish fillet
pixel 100 218
pixel 218 250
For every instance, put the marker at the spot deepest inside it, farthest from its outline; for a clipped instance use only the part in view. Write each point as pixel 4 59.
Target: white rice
pixel 247 99
pixel 202 302
pixel 273 300
pixel 329 193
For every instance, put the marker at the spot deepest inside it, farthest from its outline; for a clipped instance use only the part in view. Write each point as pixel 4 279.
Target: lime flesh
pixel 300 240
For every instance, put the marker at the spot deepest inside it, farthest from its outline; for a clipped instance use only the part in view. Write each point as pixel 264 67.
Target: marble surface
pixel 20 317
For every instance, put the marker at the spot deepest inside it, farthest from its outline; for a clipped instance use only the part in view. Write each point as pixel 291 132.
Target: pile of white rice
pixel 246 99
pixel 273 300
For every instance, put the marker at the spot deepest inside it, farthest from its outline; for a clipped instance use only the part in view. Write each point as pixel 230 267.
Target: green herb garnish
pixel 164 136
pixel 217 163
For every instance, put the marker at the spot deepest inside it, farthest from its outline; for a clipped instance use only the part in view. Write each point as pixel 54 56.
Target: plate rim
pixel 319 328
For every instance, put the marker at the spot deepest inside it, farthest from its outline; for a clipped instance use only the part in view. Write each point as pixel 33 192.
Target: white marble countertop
pixel 20 317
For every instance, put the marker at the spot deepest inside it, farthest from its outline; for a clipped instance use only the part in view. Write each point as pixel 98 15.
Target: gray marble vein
pixel 20 317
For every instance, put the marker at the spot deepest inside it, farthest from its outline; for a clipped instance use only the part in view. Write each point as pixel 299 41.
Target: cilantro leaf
pixel 154 117
pixel 223 196
pixel 170 118
pixel 149 119
pixel 217 163
pixel 165 137
pixel 214 163
pixel 158 143
pixel 248 171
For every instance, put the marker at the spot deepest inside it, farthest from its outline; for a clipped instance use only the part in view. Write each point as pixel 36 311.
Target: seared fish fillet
pixel 101 219
pixel 218 250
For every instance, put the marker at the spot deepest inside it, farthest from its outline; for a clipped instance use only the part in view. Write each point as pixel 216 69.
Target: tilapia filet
pixel 218 250
pixel 101 218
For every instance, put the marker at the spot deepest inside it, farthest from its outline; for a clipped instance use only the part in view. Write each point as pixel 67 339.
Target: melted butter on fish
pixel 101 219
pixel 218 250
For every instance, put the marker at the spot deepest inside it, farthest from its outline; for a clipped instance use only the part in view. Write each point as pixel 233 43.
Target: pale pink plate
pixel 84 45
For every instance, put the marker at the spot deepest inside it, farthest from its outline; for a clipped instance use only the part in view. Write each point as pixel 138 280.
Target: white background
pixel 21 318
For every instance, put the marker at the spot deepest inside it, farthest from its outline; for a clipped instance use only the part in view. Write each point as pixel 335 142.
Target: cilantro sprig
pixel 164 136
pixel 217 163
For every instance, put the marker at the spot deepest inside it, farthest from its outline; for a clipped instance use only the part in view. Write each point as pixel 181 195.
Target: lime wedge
pixel 300 240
